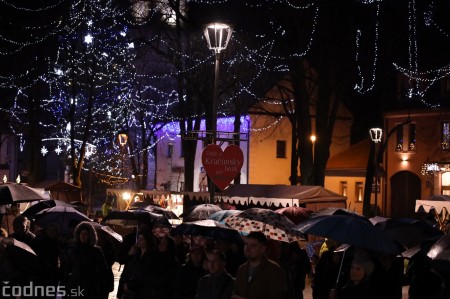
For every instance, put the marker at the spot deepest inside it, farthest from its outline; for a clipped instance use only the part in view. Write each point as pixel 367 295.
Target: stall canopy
pixel 310 197
pixel 60 190
pixel 439 205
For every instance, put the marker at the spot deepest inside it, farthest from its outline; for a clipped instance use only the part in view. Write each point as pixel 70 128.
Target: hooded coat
pixel 86 270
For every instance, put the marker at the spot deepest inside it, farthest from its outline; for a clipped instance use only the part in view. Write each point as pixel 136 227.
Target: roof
pixel 313 197
pixel 53 185
pixel 356 157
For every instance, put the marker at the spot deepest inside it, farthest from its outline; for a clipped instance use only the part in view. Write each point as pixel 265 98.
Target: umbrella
pixel 16 193
pixel 350 229
pixel 157 210
pixel 108 232
pixel 202 212
pixel 208 228
pixel 333 211
pixel 66 217
pixel 295 214
pixel 32 210
pixel 132 218
pixel 224 214
pixel 275 226
pixel 408 232
pixel 16 247
pixel 441 249
pixel 143 204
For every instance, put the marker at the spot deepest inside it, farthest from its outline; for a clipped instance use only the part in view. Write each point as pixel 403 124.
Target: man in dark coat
pixel 259 277
pixel 218 284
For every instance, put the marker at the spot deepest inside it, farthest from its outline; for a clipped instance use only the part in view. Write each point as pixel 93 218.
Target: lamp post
pixel 376 135
pixel 217 36
pixel 123 138
pixel 313 140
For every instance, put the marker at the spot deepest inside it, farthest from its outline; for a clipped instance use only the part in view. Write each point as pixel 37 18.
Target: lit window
pixel 446 183
pixel 344 188
pixel 412 137
pixel 359 191
pixel 399 146
pixel 281 149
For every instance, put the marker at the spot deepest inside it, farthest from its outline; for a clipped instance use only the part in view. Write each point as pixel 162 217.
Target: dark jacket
pixel 85 266
pixel 186 280
pixel 268 281
pixel 137 275
pixel 220 287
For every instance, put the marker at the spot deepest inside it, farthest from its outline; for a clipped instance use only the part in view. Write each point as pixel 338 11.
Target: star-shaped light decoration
pixel 44 151
pixel 88 39
pixel 58 150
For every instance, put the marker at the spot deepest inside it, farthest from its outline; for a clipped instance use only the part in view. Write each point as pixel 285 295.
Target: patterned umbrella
pixel 295 214
pixel 275 226
pixel 224 214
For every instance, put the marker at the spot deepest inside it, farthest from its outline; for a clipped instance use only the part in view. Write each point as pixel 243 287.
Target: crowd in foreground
pixel 168 267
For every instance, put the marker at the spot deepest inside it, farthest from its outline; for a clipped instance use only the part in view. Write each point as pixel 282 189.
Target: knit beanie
pixel 365 263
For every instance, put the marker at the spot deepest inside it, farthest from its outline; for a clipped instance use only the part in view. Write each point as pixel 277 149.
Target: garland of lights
pixel 360 88
pixel 119 101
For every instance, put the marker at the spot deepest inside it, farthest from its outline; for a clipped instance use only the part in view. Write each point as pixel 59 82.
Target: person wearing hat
pixel 359 286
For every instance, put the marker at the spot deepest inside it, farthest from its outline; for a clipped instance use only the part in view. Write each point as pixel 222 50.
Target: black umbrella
pixel 157 210
pixel 208 228
pixel 16 193
pixel 66 217
pixel 132 218
pixel 202 212
pixel 32 210
pixel 350 229
pixel 441 249
pixel 408 232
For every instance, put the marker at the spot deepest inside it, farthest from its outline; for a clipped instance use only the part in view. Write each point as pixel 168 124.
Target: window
pixel 170 150
pixel 344 188
pixel 445 136
pixel 412 137
pixel 359 191
pixel 446 183
pixel 281 149
pixel 406 138
pixel 399 133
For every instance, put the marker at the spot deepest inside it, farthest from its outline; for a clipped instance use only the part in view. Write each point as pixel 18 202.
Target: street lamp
pixel 217 36
pixel 313 140
pixel 376 135
pixel 123 138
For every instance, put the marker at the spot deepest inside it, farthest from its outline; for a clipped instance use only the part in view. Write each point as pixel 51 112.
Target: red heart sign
pixel 222 166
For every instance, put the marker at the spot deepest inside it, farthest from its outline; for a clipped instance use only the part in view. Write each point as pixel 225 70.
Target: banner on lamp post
pixel 222 166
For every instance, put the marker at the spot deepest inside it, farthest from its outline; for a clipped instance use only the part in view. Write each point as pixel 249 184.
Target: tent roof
pixel 53 185
pixel 304 194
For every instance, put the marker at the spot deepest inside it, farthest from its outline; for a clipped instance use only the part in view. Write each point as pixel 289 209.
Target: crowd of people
pixel 170 267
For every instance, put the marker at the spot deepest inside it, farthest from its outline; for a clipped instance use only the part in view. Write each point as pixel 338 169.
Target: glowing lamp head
pixel 126 196
pixel 217 36
pixel 123 138
pixel 376 134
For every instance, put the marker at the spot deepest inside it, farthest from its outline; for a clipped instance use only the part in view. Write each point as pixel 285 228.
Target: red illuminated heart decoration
pixel 222 166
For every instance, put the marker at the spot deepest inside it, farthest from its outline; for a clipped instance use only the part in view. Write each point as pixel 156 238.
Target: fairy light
pixel 360 87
